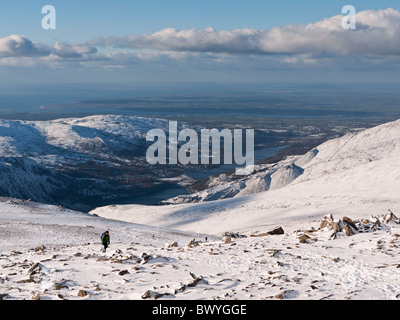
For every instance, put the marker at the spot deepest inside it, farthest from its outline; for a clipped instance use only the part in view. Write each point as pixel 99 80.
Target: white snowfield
pixel 177 251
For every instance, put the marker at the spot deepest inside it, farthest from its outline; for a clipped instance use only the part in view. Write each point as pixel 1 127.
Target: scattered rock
pixel 348 230
pixel 234 235
pixel 281 296
pixel 195 281
pixel 276 231
pixel 155 295
pixel 40 248
pixel 144 258
pixel 82 293
pixel 349 223
pixel 26 280
pixel 33 268
pixel 390 217
pixel 192 243
pixel 36 297
pixel 59 286
pixel 146 295
pixel 304 238
pixel 171 245
pixel 123 272
pixel 227 239
pixel 349 227
pixel 326 221
pixel 3 295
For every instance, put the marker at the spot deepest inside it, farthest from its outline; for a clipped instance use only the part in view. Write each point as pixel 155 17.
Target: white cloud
pixel 377 33
pixel 377 37
pixel 20 46
pixel 72 50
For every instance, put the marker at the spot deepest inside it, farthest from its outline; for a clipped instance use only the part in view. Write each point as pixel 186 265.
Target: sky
pixel 208 41
pixel 82 20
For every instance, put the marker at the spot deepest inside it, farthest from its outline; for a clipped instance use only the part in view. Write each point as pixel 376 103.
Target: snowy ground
pixel 49 252
pixel 57 256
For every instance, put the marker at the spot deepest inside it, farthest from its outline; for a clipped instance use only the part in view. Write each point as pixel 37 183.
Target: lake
pixel 173 190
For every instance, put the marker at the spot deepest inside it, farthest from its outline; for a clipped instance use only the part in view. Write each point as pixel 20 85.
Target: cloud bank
pixel 377 35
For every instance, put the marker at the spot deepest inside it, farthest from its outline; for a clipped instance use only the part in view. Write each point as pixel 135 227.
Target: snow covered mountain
pixel 358 174
pixel 336 237
pixel 74 162
pixel 93 136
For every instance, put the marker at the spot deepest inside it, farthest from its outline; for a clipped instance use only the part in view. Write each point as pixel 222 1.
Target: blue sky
pixel 207 41
pixel 82 20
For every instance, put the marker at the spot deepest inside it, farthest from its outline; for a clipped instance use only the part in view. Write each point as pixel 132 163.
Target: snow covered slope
pixel 51 253
pixel 176 251
pixel 70 161
pixel 104 134
pixel 356 175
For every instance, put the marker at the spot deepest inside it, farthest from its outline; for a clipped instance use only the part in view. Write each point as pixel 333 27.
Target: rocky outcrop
pixel 349 227
pixel 275 231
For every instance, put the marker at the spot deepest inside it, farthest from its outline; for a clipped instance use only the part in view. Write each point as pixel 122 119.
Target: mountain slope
pixel 74 162
pixel 51 253
pixel 95 136
pixel 358 174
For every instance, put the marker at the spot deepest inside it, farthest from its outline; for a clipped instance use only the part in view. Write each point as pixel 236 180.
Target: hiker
pixel 105 240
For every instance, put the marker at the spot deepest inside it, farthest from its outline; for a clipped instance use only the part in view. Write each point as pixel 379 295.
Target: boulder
pixel 146 295
pixel 3 296
pixel 234 235
pixel 390 217
pixel 349 222
pixel 191 243
pixel 36 297
pixel 348 230
pixel 276 231
pixel 82 293
pixel 227 239
pixel 39 248
pixel 171 245
pixel 123 272
pixel 304 238
pixel 145 257
pixel 326 221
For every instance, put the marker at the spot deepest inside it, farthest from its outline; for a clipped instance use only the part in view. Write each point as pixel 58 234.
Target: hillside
pixel 76 162
pixel 325 233
pixel 52 253
pixel 357 175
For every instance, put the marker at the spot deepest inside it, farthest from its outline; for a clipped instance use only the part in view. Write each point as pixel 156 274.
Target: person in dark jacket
pixel 105 240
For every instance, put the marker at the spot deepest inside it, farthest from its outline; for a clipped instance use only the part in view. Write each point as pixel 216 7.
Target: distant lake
pixel 259 154
pixel 169 191
pixel 152 198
